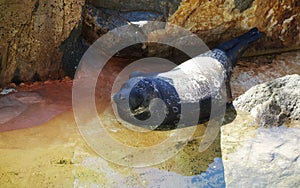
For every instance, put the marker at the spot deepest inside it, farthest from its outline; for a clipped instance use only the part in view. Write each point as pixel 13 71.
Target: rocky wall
pixel 32 37
pixel 165 7
pixel 41 39
pixel 219 20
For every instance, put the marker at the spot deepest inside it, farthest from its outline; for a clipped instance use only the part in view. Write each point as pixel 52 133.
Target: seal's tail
pixel 235 48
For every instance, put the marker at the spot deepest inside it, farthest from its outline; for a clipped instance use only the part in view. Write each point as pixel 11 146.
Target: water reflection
pixel 188 168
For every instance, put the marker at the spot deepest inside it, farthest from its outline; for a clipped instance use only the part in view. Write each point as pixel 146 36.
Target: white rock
pixel 260 157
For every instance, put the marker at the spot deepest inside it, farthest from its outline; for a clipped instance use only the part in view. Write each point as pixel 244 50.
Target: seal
pixel 196 85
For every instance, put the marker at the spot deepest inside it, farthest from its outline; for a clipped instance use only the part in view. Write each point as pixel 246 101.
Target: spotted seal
pixel 197 82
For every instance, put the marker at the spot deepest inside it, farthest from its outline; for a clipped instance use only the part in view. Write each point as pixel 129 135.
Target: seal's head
pixel 133 99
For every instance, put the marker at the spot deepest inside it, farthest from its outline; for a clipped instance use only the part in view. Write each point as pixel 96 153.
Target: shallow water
pixel 55 154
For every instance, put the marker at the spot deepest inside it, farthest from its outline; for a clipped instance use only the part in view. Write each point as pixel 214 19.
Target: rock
pixel 261 148
pixel 216 21
pixel 7 91
pixel 109 15
pixel 41 39
pixel 102 16
pixel 212 21
pixel 260 157
pixel 274 102
pixel 98 21
pixel 165 7
pixel 32 34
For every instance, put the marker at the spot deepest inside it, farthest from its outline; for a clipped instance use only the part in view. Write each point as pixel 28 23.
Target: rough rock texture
pixel 165 7
pixel 103 16
pixel 213 21
pixel 274 102
pixel 98 21
pixel 32 34
pixel 255 155
pixel 219 20
pixel 260 157
pixel 41 39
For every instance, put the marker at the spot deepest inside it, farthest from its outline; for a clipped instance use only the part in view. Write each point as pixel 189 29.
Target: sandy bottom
pixel 40 156
pixel 55 155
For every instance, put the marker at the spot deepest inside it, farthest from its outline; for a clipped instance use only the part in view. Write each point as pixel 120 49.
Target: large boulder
pixel 216 21
pixel 212 21
pixel 272 103
pixel 260 157
pixel 261 148
pixel 34 37
pixel 102 16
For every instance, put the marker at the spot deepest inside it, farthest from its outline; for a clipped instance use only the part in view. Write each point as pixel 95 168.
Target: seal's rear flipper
pixel 235 48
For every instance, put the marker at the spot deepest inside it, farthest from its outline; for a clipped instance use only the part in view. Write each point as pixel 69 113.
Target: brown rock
pixel 220 20
pixel 39 39
pixel 31 34
pixel 165 7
